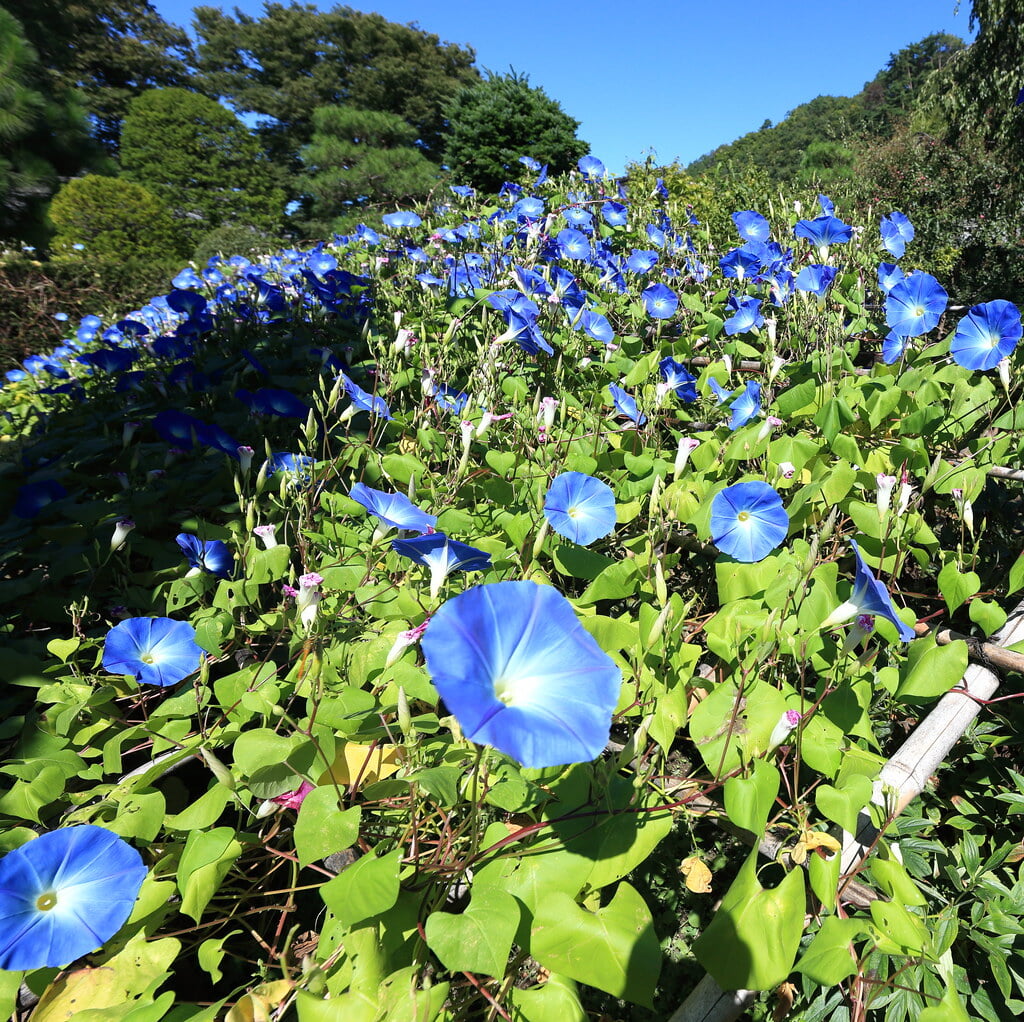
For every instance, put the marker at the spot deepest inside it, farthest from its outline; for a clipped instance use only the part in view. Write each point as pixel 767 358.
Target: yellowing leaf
pixel 257 1005
pixel 819 839
pixel 698 876
pixel 365 763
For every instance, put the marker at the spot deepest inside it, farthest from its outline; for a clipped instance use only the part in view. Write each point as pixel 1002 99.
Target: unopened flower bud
pixel 121 529
pixel 267 534
pixel 546 412
pixel 783 729
pixel 884 496
pixel 245 454
pixel 687 445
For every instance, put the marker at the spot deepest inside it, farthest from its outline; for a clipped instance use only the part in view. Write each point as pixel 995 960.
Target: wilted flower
pixel 404 640
pixel 267 533
pixel 785 727
pixel 687 445
pixel 886 484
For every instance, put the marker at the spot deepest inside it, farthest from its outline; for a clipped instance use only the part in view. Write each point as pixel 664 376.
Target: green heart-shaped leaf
pixel 479 939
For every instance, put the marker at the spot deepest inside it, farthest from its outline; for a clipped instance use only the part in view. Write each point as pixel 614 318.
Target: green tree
pixel 976 91
pixel 116 220
pixel 42 137
pixel 200 160
pixel 493 123
pixel 106 50
pixel 362 155
pixel 295 58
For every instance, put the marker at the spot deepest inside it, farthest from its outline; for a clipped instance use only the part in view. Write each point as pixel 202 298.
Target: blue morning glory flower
pixel 530 208
pixel 580 507
pixel 63 894
pixel 655 235
pixel 403 218
pixel 614 214
pixel 889 275
pixel 816 279
pixel 187 278
pixel 751 225
pixel 33 497
pixel 363 401
pixel 823 231
pixel 206 555
pixel 595 325
pixel 579 217
pixel 739 263
pixel 155 650
pixel 893 347
pixel 987 334
pixel 746 315
pixel 573 244
pixel 896 230
pixel 394 509
pixel 915 305
pixel 641 260
pixel 869 596
pixel 746 406
pixel 274 401
pixel 721 394
pixel 520 673
pixel 298 465
pixel 625 404
pixel 828 207
pixel 748 521
pixel 591 168
pixel 679 378
pixel 441 556
pixel 660 301
pixel 321 263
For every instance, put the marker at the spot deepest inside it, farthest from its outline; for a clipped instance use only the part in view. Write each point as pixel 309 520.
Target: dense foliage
pixel 201 160
pixel 106 51
pixel 681 530
pixel 492 122
pixel 284 65
pixel 111 219
pixel 42 136
pixel 359 156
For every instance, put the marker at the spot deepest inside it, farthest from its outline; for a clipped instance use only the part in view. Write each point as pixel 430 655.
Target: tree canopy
pixel 494 122
pixel 200 159
pixel 296 58
pixel 107 50
pixel 43 136
pixel 360 154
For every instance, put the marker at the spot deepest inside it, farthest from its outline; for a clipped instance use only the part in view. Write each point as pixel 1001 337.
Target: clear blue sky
pixel 678 77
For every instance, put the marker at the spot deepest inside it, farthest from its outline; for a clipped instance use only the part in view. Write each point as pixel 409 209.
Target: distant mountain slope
pixel 812 136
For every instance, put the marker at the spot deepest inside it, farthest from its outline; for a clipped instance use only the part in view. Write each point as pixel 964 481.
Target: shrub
pixel 114 219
